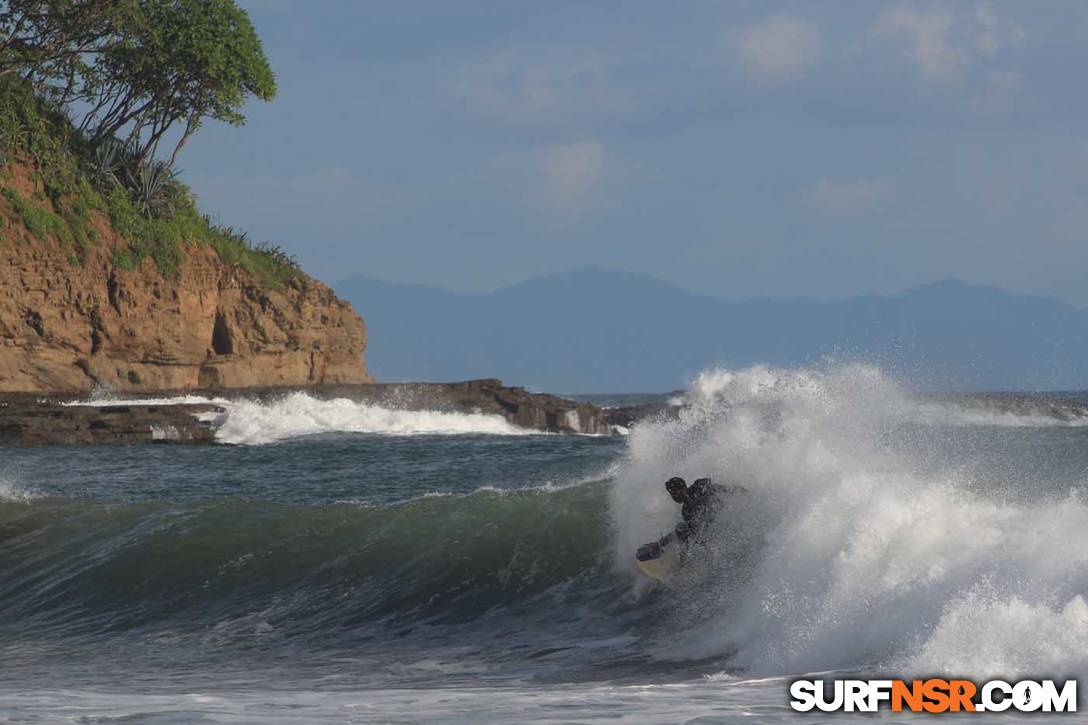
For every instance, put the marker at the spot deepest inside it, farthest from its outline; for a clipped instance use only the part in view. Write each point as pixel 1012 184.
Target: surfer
pixel 699 503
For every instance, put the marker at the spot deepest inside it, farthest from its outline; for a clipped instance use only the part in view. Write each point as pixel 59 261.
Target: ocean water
pixel 331 561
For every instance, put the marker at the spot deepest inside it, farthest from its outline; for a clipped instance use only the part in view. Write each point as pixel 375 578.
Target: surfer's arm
pixel 681 532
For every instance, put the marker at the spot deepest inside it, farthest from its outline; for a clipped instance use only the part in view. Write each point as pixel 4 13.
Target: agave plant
pixel 241 237
pixel 152 184
pixel 275 253
pixel 109 158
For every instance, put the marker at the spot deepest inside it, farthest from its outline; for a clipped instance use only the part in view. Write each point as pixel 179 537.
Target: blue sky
pixel 739 149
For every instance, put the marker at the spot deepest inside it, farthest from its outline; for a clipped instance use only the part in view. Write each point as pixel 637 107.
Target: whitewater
pixel 337 561
pixel 252 422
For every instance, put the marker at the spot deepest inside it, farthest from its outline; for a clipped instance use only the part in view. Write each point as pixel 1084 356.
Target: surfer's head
pixel 677 488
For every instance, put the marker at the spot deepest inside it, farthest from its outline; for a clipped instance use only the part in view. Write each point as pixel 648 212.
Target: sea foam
pixel 252 422
pixel 13 492
pixel 858 553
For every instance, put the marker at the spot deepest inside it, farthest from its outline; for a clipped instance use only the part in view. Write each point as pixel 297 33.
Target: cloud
pixel 941 42
pixel 572 170
pixel 988 39
pixel 991 33
pixel 846 198
pixel 1004 80
pixel 528 84
pixel 925 33
pixel 778 48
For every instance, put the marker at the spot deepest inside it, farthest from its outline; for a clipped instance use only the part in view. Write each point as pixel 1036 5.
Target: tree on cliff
pixel 134 69
pixel 53 43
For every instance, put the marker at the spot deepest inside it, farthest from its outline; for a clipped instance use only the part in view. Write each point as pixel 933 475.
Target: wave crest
pixel 864 546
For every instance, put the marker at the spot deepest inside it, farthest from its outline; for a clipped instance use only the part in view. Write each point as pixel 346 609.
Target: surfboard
pixel 656 561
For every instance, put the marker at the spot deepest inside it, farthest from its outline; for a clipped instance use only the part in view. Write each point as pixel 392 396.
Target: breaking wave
pixel 298 414
pixel 880 531
pixel 860 544
pixel 12 492
pixel 253 422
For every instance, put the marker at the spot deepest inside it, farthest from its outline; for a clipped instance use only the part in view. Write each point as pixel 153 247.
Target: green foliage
pixel 146 204
pixel 83 234
pixel 276 257
pixel 27 126
pixel 136 68
pixel 53 43
pixel 41 222
pixel 108 163
pixel 67 226
pixel 184 61
pixel 162 238
pixel 123 258
pixel 153 187
pixel 233 247
pixel 168 256
pixel 80 209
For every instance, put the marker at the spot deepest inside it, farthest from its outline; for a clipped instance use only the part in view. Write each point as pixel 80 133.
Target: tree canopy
pixel 134 69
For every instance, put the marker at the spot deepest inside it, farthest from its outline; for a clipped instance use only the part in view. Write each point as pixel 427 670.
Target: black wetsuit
pixel 699 510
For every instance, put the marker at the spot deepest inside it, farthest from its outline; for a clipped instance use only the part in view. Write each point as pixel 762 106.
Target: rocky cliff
pixel 73 318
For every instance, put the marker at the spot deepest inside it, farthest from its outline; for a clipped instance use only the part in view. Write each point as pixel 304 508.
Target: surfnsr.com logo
pixel 933 695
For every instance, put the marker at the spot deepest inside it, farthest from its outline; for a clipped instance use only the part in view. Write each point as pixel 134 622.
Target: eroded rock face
pixel 32 423
pixel 68 327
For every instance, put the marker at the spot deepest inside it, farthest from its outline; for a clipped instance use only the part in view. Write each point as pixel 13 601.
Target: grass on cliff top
pixel 73 182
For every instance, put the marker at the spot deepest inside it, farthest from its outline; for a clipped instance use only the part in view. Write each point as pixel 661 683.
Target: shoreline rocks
pixel 32 420
pixel 43 423
pixel 536 411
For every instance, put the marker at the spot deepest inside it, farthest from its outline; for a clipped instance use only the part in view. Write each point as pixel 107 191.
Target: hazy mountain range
pixel 590 330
